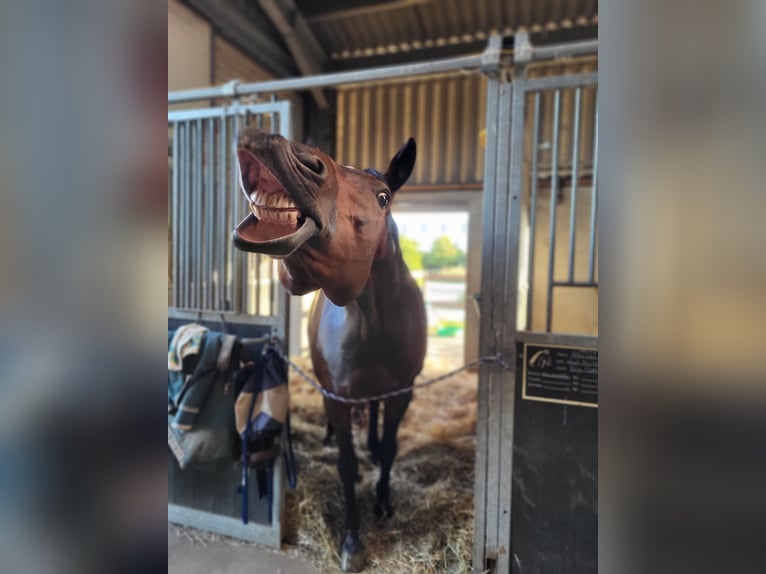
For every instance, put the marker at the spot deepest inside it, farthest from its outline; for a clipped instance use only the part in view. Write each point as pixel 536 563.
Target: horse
pixel 330 227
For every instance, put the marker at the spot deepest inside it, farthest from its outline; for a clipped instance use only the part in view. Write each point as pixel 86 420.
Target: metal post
pixel 174 217
pixel 593 199
pixel 197 217
pixel 487 342
pixel 553 199
pixel 533 209
pixel 184 207
pixel 222 206
pixel 209 211
pixel 573 199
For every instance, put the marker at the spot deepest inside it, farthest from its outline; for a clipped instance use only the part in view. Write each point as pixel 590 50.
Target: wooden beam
pixel 406 57
pixel 231 23
pixel 315 11
pixel 304 47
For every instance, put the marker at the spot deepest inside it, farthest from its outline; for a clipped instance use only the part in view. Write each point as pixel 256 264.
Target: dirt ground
pixel 192 551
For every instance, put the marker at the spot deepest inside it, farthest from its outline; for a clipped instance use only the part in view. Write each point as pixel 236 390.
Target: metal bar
pixel 269 535
pixel 209 211
pixel 215 316
pixel 273 99
pixel 533 209
pixel 574 284
pixel 204 113
pixel 587 341
pixel 197 220
pixel 555 51
pixel 258 285
pixel 498 314
pixel 551 82
pixel 323 80
pixel 553 198
pixel 223 232
pixel 238 258
pixel 487 339
pixel 593 200
pixel 174 217
pixel 230 90
pixel 231 147
pixel 185 206
pixel 573 199
pixel 509 316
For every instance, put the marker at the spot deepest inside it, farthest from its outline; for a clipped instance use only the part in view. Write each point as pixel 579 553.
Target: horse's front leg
pixel 352 553
pixel 392 416
pixel 373 443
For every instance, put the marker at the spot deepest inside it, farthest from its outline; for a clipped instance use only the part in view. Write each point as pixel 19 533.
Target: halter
pixel 376 174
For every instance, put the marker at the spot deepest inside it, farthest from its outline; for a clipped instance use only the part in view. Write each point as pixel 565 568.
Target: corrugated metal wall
pixel 444 115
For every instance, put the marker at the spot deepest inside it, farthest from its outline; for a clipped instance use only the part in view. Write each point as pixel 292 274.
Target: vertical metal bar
pixel 179 166
pixel 258 286
pixel 231 177
pixel 553 199
pixel 197 222
pixel 176 300
pixel 575 174
pixel 223 231
pixel 593 199
pixel 533 208
pixel 508 316
pixel 272 128
pixel 185 168
pixel 190 259
pixel 481 471
pixel 209 212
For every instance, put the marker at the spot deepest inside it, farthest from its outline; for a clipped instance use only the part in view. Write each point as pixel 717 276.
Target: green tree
pixel 411 253
pixel 444 253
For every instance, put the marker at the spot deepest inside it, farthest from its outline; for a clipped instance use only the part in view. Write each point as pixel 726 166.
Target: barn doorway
pixel 440 235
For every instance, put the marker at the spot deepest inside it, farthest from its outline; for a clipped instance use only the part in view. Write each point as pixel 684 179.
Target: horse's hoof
pixel 353 556
pixel 383 511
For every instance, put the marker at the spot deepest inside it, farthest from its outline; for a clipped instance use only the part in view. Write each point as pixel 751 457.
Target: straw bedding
pixel 431 482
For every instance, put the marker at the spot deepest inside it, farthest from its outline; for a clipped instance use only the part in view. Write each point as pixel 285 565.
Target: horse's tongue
pixel 277 240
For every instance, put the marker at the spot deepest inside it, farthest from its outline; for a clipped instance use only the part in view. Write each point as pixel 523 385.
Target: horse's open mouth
pixel 276 226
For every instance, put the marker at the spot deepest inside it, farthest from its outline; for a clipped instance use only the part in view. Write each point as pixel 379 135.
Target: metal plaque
pixel 560 374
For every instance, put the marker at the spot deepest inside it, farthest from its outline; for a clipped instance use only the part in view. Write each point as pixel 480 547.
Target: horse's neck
pixel 386 275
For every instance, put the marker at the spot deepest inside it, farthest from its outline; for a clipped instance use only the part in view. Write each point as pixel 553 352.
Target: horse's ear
pixel 400 167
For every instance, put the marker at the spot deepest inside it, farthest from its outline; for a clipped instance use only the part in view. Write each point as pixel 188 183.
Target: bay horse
pixel 331 228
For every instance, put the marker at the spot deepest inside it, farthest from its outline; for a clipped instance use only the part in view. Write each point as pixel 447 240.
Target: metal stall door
pixel 536 464
pixel 221 287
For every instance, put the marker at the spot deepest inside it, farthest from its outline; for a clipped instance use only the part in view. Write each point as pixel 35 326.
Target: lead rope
pixel 494 359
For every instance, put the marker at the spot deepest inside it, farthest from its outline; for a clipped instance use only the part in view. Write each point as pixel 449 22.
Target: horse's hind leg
pixel 352 553
pixel 373 443
pixel 392 416
pixel 327 441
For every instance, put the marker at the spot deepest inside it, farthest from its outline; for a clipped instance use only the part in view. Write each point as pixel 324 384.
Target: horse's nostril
pixel 312 162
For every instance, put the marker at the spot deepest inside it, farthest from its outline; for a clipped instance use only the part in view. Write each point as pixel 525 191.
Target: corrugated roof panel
pixel 439 20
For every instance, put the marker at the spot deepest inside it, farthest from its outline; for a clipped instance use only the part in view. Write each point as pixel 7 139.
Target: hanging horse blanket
pixel 201 396
pixel 262 412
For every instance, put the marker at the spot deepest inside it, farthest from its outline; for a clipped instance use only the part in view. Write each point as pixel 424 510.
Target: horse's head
pixel 326 222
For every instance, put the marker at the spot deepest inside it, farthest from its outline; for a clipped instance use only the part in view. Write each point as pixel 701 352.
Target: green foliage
pixel 444 253
pixel 412 256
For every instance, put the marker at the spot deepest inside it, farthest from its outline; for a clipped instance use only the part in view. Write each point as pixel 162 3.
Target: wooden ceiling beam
pixel 306 51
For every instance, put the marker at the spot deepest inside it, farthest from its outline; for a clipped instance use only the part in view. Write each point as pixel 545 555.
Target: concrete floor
pixel 220 557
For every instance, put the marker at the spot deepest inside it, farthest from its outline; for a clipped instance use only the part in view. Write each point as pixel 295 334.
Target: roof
pixel 292 37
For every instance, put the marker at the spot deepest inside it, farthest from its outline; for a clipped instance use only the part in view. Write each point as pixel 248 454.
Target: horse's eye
pixel 383 199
